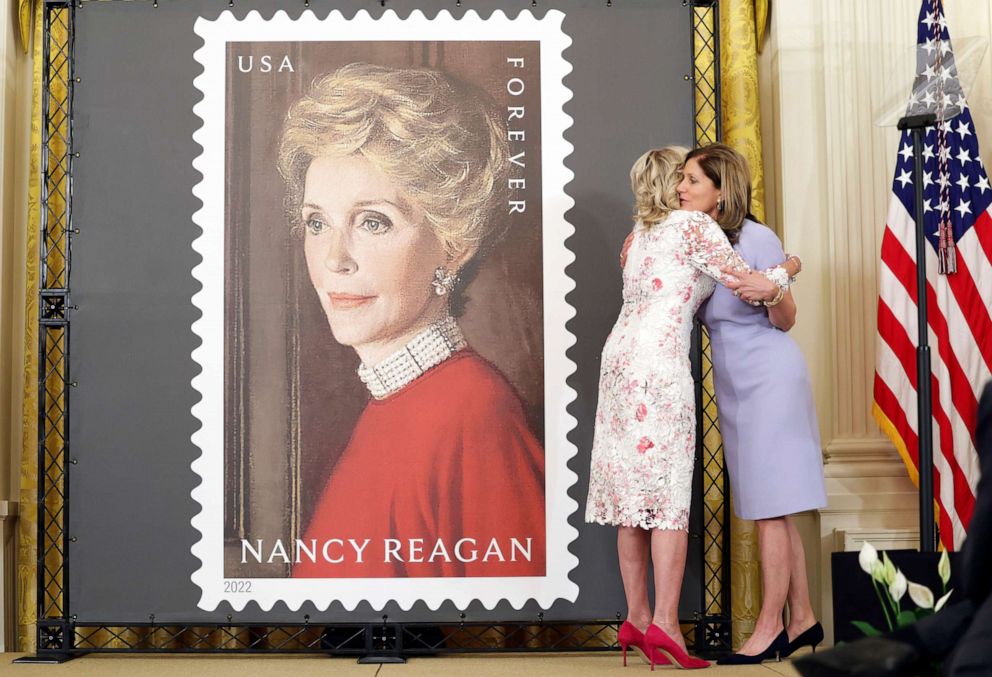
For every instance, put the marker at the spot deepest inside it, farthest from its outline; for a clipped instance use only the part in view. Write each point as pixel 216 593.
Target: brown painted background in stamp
pixel 291 392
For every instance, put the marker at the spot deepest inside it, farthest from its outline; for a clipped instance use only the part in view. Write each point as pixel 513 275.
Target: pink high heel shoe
pixel 659 642
pixel 630 637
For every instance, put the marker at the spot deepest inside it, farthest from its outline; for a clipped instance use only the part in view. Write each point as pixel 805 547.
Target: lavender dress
pixel 771 438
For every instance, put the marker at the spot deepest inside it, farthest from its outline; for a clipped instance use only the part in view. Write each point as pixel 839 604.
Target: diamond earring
pixel 444 280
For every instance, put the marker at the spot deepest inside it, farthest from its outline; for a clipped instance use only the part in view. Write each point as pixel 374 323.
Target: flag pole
pixel 924 403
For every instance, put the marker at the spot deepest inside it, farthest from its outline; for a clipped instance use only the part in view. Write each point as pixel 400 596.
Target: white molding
pixel 873 457
pixel 843 447
pixel 8 569
pixel 851 539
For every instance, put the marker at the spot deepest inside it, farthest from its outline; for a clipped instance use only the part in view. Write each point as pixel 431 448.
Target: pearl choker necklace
pixel 428 349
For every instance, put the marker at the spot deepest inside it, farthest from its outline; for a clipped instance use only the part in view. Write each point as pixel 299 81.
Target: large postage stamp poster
pixel 383 396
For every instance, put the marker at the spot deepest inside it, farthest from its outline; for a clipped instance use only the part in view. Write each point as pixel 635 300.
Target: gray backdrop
pixel 131 261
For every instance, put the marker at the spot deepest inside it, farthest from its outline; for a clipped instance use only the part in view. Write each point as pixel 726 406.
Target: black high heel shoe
pixel 775 650
pixel 809 637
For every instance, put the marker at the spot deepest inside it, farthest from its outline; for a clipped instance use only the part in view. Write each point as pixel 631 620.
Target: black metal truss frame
pixel 342 639
pixel 714 628
pixel 61 637
pixel 53 331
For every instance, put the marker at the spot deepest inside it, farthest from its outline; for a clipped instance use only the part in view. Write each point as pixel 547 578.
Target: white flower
pixel 943 600
pixel 897 588
pixel 878 572
pixel 944 568
pixel 867 557
pixel 890 569
pixel 921 595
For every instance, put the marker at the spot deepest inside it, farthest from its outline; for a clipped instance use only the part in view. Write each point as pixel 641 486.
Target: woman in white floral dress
pixel 644 445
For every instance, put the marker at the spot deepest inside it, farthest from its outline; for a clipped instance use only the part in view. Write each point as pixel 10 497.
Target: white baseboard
pixel 8 574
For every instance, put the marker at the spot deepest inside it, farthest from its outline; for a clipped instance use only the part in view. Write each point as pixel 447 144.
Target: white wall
pixel 826 70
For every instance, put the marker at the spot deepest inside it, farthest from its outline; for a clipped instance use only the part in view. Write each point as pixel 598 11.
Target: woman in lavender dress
pixel 770 432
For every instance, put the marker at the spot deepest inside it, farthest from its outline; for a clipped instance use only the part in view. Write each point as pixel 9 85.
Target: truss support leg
pixel 47 658
pixel 378 659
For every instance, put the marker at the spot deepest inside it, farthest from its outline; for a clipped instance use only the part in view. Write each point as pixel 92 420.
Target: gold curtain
pixel 27 590
pixel 24 13
pixel 742 26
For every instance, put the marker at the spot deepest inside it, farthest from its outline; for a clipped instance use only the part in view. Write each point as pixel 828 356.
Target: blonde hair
pixel 728 171
pixel 653 179
pixel 441 140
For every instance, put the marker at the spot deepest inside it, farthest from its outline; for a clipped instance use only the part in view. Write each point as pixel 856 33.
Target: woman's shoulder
pixel 471 382
pixel 758 233
pixel 688 222
pixel 687 216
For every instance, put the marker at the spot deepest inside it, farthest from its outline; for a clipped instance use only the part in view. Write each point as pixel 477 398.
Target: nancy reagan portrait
pixel 383 322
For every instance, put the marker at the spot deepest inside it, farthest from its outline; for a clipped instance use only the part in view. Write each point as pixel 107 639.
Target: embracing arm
pixel 783 314
pixel 757 289
pixel 710 252
pixel 625 249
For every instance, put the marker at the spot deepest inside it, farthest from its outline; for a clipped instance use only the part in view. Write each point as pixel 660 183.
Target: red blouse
pixel 443 478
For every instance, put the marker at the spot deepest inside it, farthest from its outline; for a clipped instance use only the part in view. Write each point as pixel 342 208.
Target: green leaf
pixel 905 618
pixel 867 628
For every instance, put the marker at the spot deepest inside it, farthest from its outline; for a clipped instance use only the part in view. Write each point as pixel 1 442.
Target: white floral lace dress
pixel 645 435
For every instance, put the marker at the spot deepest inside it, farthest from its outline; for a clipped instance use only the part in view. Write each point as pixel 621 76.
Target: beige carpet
pixel 524 665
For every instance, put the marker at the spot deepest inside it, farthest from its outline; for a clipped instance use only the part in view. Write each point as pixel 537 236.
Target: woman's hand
pixel 625 249
pixel 793 265
pixel 752 286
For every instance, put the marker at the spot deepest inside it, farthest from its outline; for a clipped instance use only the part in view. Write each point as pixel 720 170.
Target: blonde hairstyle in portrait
pixel 729 172
pixel 441 140
pixel 653 179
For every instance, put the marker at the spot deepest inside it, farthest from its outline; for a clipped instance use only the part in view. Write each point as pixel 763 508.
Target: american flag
pixel 957 191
